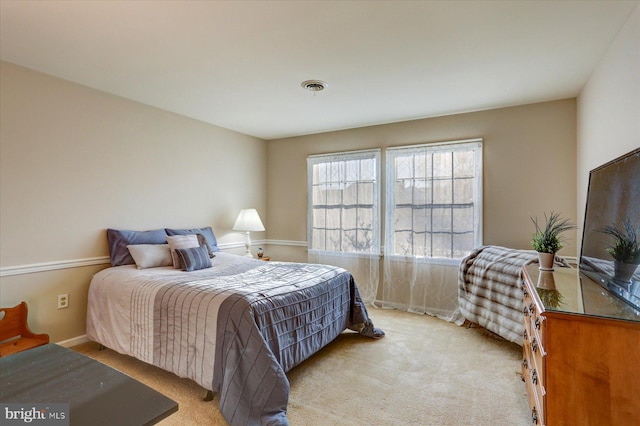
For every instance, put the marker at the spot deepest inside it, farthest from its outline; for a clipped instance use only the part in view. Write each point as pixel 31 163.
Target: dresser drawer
pixel 533 351
pixel 527 302
pixel 535 373
pixel 526 359
pixel 537 325
pixel 535 409
pixel 527 321
pixel 534 392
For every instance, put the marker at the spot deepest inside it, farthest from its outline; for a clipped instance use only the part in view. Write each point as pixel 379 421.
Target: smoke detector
pixel 314 85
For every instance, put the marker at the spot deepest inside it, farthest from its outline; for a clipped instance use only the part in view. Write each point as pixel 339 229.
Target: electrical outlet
pixel 63 301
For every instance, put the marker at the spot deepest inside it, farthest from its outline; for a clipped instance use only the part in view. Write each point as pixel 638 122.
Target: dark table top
pixel 96 393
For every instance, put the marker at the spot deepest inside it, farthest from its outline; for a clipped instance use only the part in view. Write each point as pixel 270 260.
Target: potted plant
pixel 625 250
pixel 547 240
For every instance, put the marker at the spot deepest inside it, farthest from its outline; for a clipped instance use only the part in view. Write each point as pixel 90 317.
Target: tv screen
pixel 613 208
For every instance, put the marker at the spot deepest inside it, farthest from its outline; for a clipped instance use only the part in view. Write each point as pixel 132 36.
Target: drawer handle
pixel 534 345
pixel 532 308
pixel 537 323
pixel 524 335
pixel 526 311
pixel 534 376
pixel 534 416
pixel 525 364
pixel 524 292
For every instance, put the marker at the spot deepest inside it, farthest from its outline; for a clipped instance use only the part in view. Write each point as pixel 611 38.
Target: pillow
pixel 181 242
pixel 151 255
pixel 202 241
pixel 119 240
pixel 194 258
pixel 207 232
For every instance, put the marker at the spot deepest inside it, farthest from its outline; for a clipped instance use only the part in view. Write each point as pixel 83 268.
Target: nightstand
pixel 265 258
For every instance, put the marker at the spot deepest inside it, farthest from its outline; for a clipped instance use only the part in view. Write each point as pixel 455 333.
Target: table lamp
pixel 248 220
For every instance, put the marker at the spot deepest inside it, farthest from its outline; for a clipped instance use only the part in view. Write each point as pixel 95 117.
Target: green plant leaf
pixel 548 239
pixel 625 247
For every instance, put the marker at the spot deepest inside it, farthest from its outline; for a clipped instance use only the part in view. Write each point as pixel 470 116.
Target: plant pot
pixel 623 271
pixel 546 261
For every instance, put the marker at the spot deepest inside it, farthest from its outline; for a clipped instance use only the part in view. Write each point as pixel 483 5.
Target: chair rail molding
pixel 286 243
pixel 31 268
pixel 7 271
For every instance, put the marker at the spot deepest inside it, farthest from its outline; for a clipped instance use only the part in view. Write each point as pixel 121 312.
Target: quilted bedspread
pixel 236 328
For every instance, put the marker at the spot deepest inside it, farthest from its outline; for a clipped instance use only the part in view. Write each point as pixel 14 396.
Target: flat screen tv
pixel 613 200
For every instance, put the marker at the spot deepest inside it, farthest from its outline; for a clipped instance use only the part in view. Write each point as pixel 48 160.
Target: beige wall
pixel 529 167
pixel 608 108
pixel 75 161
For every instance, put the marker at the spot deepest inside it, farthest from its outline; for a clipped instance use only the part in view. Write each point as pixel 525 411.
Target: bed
pixel 235 327
pixel 490 289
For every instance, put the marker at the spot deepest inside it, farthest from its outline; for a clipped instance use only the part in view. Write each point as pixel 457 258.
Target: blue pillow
pixel 194 258
pixel 207 232
pixel 119 240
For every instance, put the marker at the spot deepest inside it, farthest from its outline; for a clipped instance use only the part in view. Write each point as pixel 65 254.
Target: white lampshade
pixel 248 221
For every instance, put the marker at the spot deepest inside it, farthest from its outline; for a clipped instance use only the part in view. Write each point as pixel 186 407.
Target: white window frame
pixel 343 157
pixel 390 175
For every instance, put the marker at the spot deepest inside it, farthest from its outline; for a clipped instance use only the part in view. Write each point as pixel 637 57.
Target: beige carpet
pixel 424 372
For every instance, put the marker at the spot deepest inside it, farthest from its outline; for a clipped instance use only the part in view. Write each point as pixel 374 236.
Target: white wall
pixel 608 108
pixel 75 161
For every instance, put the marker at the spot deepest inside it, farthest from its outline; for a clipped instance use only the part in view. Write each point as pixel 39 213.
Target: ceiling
pixel 239 64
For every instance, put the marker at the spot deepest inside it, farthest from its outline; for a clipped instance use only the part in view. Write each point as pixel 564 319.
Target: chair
pixel 15 335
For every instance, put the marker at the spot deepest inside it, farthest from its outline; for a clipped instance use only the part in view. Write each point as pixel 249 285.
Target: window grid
pixel 343 202
pixel 411 238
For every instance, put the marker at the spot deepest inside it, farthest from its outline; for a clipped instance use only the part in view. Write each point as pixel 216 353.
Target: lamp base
pixel 247 245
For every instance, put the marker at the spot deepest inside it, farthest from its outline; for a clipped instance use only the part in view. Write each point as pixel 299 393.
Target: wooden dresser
pixel 581 352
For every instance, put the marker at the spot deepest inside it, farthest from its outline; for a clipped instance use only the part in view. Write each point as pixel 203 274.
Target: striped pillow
pixel 194 258
pixel 181 242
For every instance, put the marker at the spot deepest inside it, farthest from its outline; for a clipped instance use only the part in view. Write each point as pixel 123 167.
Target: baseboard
pixel 73 341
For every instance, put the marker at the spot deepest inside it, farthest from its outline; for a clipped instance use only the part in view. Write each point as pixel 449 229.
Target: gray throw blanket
pixel 490 289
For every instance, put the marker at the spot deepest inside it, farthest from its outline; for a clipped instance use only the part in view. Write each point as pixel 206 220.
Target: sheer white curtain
pixel 365 270
pixel 343 215
pixel 432 220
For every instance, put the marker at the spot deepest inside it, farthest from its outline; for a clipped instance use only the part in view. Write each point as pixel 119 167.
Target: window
pixel 343 202
pixel 434 193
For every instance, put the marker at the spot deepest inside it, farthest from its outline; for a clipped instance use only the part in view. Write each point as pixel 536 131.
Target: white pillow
pixel 150 255
pixel 181 242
